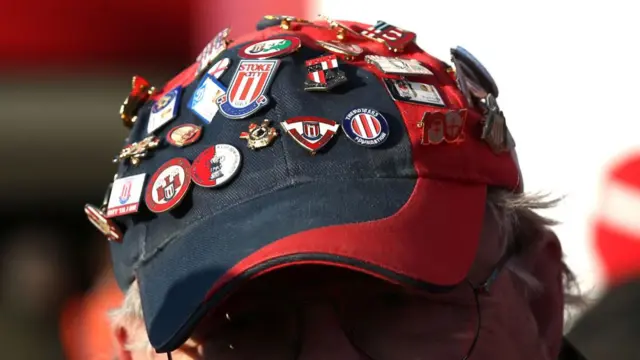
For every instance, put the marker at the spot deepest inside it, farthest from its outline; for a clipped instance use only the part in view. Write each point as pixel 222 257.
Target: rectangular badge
pixel 203 102
pixel 164 110
pixel 415 92
pixel 395 65
pixel 125 195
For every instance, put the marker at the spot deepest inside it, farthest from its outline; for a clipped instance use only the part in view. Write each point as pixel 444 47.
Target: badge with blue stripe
pixel 366 127
pixel 203 102
pixel 164 110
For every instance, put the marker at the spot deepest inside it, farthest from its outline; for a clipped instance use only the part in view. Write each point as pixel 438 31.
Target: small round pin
pixel 366 127
pixel 184 135
pixel 216 165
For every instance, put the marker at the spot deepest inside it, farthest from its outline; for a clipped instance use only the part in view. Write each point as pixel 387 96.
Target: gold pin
pixel 341 29
pixel 259 136
pixel 136 151
pixel 141 90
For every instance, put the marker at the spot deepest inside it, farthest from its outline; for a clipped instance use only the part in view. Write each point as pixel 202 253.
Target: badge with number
pixel 366 127
pixel 168 185
pixel 337 47
pixel 265 49
pixel 218 69
pixel 184 135
pixel 323 74
pixel 125 195
pixel 211 51
pixel 105 225
pixel 164 110
pixel 393 37
pixel 394 65
pixel 443 126
pixel 216 165
pixel 137 151
pixel 141 90
pixel 259 136
pixel 415 92
pixel 203 102
pixel 311 132
pixel 247 92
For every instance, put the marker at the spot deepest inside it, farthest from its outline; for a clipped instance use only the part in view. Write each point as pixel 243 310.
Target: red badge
pixel 311 132
pixel 438 127
pixel 184 135
pixel 168 185
pixel 216 165
pixel 393 37
pixel 106 226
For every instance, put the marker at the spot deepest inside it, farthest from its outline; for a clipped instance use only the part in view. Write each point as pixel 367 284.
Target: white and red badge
pixel 212 50
pixel 323 74
pixel 105 225
pixel 393 37
pixel 218 69
pixel 216 165
pixel 443 126
pixel 125 195
pixel 184 135
pixel 412 91
pixel 265 49
pixel 311 132
pixel 395 65
pixel 168 185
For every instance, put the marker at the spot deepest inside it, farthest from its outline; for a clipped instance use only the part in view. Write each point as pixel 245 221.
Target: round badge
pixel 216 165
pixel 365 127
pixel 184 135
pixel 341 48
pixel 168 185
pixel 105 225
pixel 265 49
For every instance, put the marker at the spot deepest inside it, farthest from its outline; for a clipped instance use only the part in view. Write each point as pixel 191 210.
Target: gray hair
pixel 518 221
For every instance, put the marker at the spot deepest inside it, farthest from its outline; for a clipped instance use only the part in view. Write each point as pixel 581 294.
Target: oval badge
pixel 265 49
pixel 366 127
pixel 216 165
pixel 184 135
pixel 168 185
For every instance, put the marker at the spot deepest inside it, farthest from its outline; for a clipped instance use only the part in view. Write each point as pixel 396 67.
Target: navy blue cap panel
pixel 265 172
pixel 174 284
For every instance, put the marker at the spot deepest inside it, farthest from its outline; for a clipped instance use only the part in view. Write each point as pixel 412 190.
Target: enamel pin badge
pixel 323 74
pixel 137 151
pixel 393 37
pixel 204 100
pixel 412 91
pixel 365 127
pixel 395 65
pixel 247 91
pixel 141 90
pixel 310 132
pixel 270 48
pixel 211 51
pixel 125 195
pixel 164 110
pixel 216 165
pixel 168 185
pixel 184 135
pixel 443 126
pixel 259 136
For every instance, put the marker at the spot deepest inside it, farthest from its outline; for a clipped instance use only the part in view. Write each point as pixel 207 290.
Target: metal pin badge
pixel 141 90
pixel 286 21
pixel 342 30
pixel 259 136
pixel 323 74
pixel 105 225
pixel 138 150
pixel 394 38
pixel 311 132
pixel 495 131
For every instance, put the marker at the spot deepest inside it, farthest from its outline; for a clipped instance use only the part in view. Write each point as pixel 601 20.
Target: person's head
pixel 404 235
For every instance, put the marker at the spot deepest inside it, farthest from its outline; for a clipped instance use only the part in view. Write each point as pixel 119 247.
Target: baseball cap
pixel 305 142
pixel 616 226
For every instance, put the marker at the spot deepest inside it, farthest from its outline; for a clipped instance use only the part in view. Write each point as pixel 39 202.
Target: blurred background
pixel 566 71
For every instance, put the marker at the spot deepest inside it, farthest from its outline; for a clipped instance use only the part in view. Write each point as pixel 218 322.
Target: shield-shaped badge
pixel 311 132
pixel 247 92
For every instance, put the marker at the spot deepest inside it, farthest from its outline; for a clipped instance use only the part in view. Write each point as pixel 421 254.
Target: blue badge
pixel 203 101
pixel 164 110
pixel 246 94
pixel 365 127
pixel 476 69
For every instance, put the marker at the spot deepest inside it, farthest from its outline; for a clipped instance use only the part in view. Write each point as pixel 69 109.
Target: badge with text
pixel 219 68
pixel 168 185
pixel 265 49
pixel 184 135
pixel 337 47
pixel 323 74
pixel 204 100
pixel 259 136
pixel 443 126
pixel 393 37
pixel 216 165
pixel 164 110
pixel 105 225
pixel 247 92
pixel 125 195
pixel 394 65
pixel 211 51
pixel 310 132
pixel 366 127
pixel 415 92
pixel 137 151
pixel 141 90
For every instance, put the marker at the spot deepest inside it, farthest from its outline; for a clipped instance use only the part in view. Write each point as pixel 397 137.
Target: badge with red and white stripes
pixel 311 132
pixel 323 74
pixel 366 127
pixel 218 69
pixel 125 195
